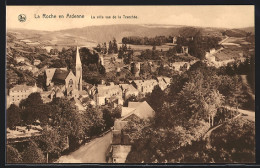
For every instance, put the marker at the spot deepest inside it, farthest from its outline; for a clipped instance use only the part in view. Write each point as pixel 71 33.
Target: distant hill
pixel 91 35
pixel 242 32
pixel 248 29
pixel 108 32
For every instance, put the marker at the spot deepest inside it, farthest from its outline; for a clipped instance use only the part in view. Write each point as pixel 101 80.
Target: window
pixel 70 83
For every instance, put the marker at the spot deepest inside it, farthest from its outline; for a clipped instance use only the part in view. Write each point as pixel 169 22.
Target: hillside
pixel 94 34
pixel 242 32
pixel 102 33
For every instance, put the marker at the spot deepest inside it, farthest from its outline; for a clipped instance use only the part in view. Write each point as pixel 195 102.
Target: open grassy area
pixel 229 53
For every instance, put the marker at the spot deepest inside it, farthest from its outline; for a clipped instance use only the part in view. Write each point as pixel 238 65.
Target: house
pixel 108 93
pixel 145 86
pixel 163 82
pixel 19 59
pixel 120 152
pixel 121 144
pixel 12 77
pixel 78 104
pixel 178 65
pixel 36 62
pixel 47 96
pixel 135 110
pixel 20 92
pixel 174 40
pixel 185 49
pixel 128 90
pixel 136 67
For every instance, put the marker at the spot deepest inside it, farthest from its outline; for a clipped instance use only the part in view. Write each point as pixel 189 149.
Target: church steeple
pixel 78 70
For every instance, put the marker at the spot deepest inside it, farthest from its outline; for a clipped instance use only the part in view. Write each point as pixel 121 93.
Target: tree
pixel 33 154
pixel 120 53
pixel 67 121
pixel 115 49
pixel 93 122
pixel 104 48
pixel 212 102
pixel 98 48
pixel 50 141
pixel 236 96
pixel 13 155
pixel 13 116
pixel 227 140
pixel 156 99
pixel 34 99
pixel 110 48
pixel 108 118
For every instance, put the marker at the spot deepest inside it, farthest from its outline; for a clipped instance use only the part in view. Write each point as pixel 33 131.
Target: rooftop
pixel 21 88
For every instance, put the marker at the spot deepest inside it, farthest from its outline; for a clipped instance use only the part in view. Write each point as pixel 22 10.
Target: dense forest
pixel 154 41
pixel 195 102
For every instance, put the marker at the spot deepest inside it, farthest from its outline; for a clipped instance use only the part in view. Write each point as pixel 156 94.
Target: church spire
pixel 78 70
pixel 78 61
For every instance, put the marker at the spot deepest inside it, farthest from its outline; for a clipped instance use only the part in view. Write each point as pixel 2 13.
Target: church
pixel 64 82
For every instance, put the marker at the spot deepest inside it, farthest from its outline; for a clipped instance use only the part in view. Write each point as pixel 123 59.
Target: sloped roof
pixel 128 87
pixel 50 72
pixel 134 104
pixel 126 110
pixel 142 109
pixel 104 90
pixel 21 87
pixel 60 74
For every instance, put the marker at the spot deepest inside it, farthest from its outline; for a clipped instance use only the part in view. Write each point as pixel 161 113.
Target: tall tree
pixel 66 120
pixel 50 141
pixel 212 102
pixel 115 48
pixel 13 116
pixel 156 99
pixel 93 121
pixel 110 48
pixel 33 154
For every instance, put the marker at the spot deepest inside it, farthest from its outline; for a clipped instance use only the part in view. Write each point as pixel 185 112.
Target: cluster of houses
pixel 117 94
pixel 121 141
pixel 61 82
pixel 24 64
pixel 211 58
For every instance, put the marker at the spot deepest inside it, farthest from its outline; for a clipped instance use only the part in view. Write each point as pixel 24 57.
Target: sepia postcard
pixel 130 84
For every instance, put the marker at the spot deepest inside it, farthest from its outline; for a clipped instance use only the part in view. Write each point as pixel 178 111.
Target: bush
pixel 12 155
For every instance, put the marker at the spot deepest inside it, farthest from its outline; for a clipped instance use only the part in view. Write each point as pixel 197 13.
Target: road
pixel 92 152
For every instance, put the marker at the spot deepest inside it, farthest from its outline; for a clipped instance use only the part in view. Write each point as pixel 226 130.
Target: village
pixel 116 77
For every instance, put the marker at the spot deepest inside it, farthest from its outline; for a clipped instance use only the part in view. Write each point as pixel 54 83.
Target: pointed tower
pixel 78 70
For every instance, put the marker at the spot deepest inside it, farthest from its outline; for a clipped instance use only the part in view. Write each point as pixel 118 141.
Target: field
pixel 228 53
pixel 234 48
pixel 164 47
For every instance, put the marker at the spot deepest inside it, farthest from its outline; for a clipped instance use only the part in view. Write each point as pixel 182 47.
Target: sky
pixel 224 16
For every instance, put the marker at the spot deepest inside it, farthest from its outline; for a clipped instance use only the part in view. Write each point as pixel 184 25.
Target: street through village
pixel 92 152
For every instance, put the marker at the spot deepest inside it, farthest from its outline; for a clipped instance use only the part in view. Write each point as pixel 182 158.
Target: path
pixel 246 84
pixel 92 152
pixel 207 135
pixel 222 41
